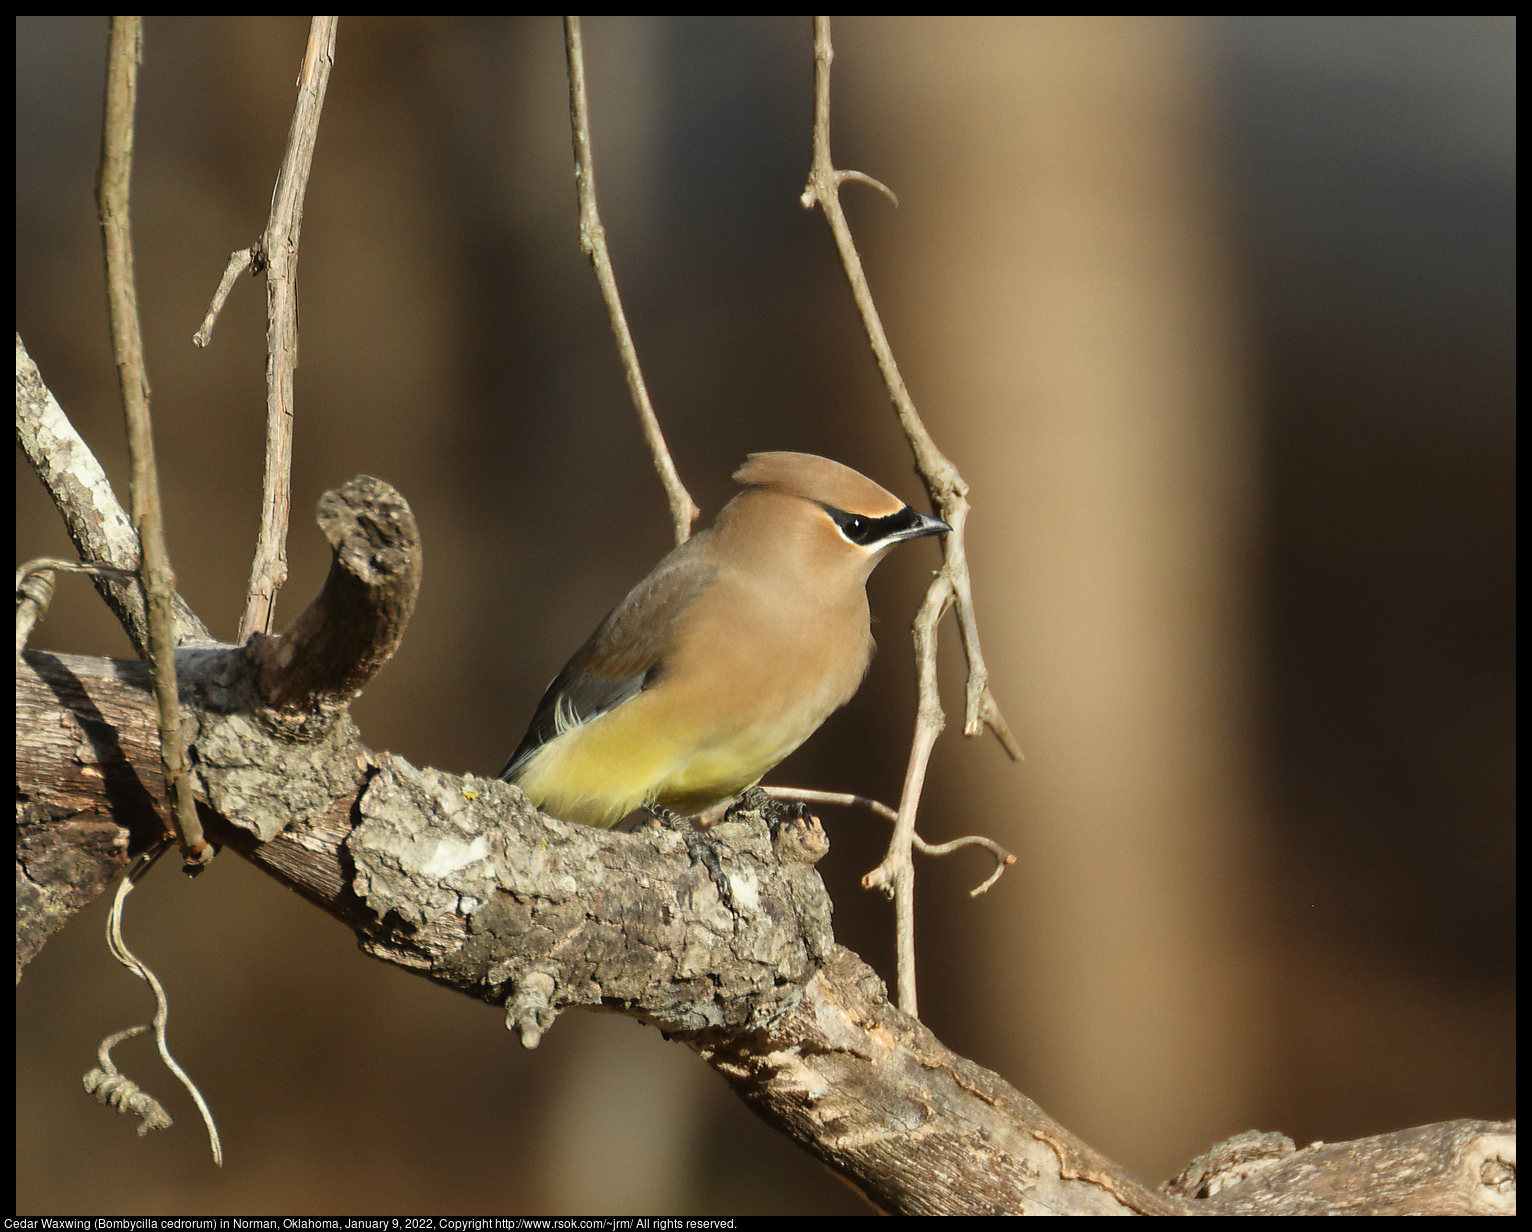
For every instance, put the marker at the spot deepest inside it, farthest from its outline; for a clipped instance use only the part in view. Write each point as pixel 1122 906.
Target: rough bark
pixel 457 878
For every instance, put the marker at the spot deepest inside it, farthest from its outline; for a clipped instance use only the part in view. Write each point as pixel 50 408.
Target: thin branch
pixel 94 519
pixel 276 252
pixel 239 261
pixel 948 493
pixel 683 510
pixel 124 52
pixel 1003 858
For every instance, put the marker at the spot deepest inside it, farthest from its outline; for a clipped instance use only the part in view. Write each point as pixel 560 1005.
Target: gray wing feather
pixel 624 656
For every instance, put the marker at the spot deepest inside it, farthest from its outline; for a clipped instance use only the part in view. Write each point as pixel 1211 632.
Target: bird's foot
pixel 754 797
pixel 776 812
pixel 796 833
pixel 662 816
pixel 701 846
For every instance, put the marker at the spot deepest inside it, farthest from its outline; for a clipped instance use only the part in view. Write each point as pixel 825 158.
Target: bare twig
pixel 124 51
pixel 279 252
pixel 239 261
pixel 276 253
pixel 1003 858
pixel 127 958
pixel 948 493
pixel 683 511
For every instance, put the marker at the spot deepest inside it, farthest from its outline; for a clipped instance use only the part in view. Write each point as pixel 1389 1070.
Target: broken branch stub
pixel 357 620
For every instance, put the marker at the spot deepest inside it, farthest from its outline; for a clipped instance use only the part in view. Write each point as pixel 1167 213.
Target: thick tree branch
pixel 455 878
pixel 459 879
pixel 1450 1168
pixel 870 1092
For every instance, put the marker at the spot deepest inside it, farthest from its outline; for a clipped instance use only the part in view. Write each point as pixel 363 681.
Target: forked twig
pixel 276 252
pixel 951 587
pixel 113 179
pixel 683 510
pixel 1003 858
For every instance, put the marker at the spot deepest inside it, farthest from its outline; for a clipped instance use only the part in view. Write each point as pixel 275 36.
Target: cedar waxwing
pixel 727 657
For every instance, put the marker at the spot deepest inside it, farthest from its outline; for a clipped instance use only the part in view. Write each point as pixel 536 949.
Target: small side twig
pixel 1003 858
pixel 948 493
pixel 239 261
pixel 276 253
pixel 683 510
pixel 124 51
pixel 34 590
pixel 106 1084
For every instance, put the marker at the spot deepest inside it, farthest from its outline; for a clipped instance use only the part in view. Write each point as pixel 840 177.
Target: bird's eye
pixel 855 527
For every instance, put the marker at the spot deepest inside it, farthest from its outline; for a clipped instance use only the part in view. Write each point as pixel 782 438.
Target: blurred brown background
pixel 1216 317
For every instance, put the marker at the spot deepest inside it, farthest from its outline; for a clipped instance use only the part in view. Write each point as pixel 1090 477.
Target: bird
pixel 726 657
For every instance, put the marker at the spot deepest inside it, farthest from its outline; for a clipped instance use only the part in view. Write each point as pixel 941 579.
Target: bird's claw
pixel 776 812
pixel 701 846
